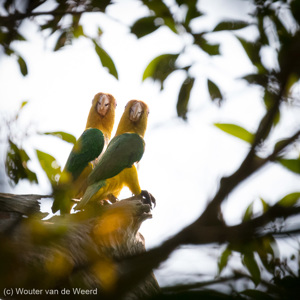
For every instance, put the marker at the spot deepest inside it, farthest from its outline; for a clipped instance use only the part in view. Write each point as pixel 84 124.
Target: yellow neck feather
pixel 125 125
pixel 105 124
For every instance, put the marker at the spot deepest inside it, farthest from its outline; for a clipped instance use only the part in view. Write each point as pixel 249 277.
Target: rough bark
pixel 78 250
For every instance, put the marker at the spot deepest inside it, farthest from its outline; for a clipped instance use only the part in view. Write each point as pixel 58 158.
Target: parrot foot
pixel 148 198
pixel 112 198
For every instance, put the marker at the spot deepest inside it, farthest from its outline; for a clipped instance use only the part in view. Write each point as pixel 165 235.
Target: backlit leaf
pixel 211 49
pixel 184 97
pixel 23 104
pixel 161 10
pixel 214 91
pixel 22 65
pixel 106 60
pixel 290 199
pixel 248 213
pixel 16 164
pixel 236 131
pixel 267 250
pixel 161 67
pixel 265 205
pixel 259 79
pixel 192 12
pixel 223 260
pixel 61 41
pixel 252 266
pixel 144 26
pixel 291 164
pixel 67 137
pixel 50 165
pixel 78 31
pixel 231 25
pixel 252 50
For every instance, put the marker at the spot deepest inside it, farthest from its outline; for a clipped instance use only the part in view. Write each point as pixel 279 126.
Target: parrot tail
pixel 89 193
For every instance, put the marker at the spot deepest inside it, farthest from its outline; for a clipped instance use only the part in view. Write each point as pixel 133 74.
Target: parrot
pixel 86 151
pixel 116 166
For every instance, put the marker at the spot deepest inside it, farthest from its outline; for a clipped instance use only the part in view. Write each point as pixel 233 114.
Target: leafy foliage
pixel 16 164
pixel 49 165
pixel 161 67
pixel 255 239
pixel 17 158
pixel 231 25
pixel 67 137
pixel 214 92
pixel 236 131
pixel 184 96
pixel 14 13
pixel 106 60
pixel 291 164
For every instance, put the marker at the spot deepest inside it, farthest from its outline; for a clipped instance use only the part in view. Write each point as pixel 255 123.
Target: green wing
pixel 87 148
pixel 122 152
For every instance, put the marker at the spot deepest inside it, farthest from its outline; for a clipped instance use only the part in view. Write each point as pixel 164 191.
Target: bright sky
pixel 183 162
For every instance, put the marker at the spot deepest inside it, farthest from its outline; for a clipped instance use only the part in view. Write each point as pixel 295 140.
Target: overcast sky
pixel 183 161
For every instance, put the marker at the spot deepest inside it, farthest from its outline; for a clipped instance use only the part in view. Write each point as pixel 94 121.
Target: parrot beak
pixel 135 112
pixel 103 105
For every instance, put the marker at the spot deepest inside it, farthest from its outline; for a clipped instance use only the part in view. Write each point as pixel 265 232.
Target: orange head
pixel 102 113
pixel 134 118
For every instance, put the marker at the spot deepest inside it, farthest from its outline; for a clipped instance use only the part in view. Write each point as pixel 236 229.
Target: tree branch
pixel 202 232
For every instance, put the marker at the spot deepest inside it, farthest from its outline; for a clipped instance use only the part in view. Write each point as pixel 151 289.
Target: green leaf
pixel 20 109
pixel 16 164
pixel 236 131
pixel 106 60
pixel 50 165
pixel 265 205
pixel 292 79
pixel 211 49
pixel 23 104
pixel 291 164
pixel 67 137
pixel 252 50
pixel 231 25
pixel 259 79
pixel 223 260
pixel 184 97
pixel 290 199
pixel 214 92
pixel 161 67
pixel 144 26
pixel 248 213
pixel 266 248
pixel 192 12
pixel 161 10
pixel 62 41
pixel 22 65
pixel 252 266
pixel 101 4
pixel 78 31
